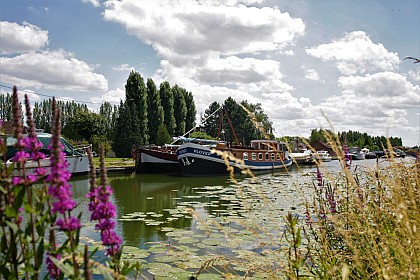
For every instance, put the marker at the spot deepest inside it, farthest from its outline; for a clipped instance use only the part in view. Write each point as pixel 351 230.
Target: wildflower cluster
pixel 29 215
pixel 104 212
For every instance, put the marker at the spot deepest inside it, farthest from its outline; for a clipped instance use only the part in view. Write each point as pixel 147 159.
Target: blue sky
pixel 329 63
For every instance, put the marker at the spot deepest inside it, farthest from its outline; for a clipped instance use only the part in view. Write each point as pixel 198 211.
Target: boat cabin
pixel 261 150
pixel 268 145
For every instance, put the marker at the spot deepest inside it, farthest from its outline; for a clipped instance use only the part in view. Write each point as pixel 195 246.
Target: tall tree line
pixel 148 115
pixel 357 139
pixel 151 116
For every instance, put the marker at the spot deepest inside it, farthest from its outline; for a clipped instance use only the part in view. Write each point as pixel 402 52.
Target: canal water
pixel 202 217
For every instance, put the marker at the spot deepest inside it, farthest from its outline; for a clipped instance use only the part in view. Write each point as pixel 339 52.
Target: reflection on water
pixel 159 201
pixel 145 193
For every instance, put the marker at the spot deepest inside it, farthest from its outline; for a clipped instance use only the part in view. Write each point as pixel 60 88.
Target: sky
pixel 331 64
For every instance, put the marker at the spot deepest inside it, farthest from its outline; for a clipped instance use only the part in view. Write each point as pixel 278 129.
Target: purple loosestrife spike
pixel 60 189
pixel 21 155
pixel 104 211
pixel 319 177
pixel 32 143
pixel 17 119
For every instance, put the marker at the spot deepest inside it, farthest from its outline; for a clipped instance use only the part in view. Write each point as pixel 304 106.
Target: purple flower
pixel 52 268
pixel 319 177
pixel 104 212
pixel 60 189
pixel 332 203
pixel 347 155
pixel 21 156
pixel 71 225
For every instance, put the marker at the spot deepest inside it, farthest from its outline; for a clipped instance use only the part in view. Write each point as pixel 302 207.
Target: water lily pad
pixel 162 270
pixel 134 252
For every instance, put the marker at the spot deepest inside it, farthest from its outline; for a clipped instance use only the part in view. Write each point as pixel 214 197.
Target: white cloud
pixel 32 96
pixel 376 104
pixel 215 49
pixel 414 74
pixel 112 96
pixel 51 70
pixel 95 3
pixel 123 68
pixel 188 28
pixel 15 38
pixel 387 86
pixel 312 74
pixel 356 53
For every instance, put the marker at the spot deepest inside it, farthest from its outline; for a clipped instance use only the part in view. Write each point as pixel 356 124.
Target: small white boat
pixel 323 155
pixel 304 157
pixel 76 157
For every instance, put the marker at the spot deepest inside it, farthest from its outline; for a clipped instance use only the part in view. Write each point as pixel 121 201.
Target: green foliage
pixel 97 141
pixel 201 135
pixel 211 122
pixel 250 125
pixel 191 111
pixel 6 107
pixel 163 136
pixel 180 110
pixel 42 113
pixel 121 140
pixel 88 124
pixel 107 111
pixel 131 123
pixel 155 114
pixel 136 105
pixel 167 99
pixel 356 139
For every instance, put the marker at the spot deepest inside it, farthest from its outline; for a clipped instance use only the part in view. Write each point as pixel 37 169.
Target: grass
pixel 115 162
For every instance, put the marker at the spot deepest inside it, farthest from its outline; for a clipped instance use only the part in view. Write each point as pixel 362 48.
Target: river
pixel 207 215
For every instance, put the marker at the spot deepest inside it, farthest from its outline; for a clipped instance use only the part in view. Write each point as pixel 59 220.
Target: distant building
pixel 322 146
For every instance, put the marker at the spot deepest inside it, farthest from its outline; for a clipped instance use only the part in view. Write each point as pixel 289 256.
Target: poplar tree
pixel 121 138
pixel 131 126
pixel 6 107
pixel 191 111
pixel 180 109
pixel 155 113
pixel 167 100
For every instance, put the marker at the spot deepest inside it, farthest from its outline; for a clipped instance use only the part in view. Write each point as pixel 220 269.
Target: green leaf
pixel 106 272
pixel 12 226
pixel 66 269
pixel 298 238
pixel 40 250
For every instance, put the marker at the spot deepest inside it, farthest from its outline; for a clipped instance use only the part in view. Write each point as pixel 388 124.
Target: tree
pixel 191 111
pixel 121 139
pixel 211 122
pixel 88 124
pixel 131 123
pixel 136 105
pixel 155 114
pixel 163 136
pixel 167 100
pixel 180 110
pixel 6 107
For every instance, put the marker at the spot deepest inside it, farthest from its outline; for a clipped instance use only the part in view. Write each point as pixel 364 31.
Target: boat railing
pixel 81 150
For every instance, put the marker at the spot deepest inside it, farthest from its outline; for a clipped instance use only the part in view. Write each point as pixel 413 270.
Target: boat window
pixel 278 156
pixel 234 154
pixel 245 156
pixel 254 156
pixel 260 156
pixel 266 156
pixel 272 156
